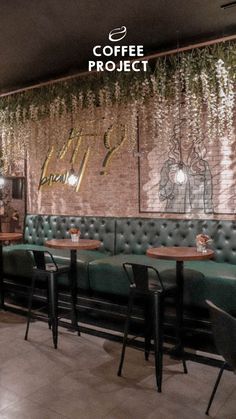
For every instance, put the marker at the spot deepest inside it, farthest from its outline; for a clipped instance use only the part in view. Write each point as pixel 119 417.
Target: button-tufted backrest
pixel 39 228
pixel 223 235
pixel 136 235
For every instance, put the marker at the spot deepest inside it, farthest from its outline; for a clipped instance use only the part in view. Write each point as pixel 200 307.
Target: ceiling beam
pixel 147 57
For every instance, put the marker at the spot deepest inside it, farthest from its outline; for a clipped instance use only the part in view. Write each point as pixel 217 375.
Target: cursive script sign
pixel 113 139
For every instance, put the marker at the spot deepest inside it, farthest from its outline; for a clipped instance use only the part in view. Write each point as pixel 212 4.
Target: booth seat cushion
pixel 18 262
pixel 107 275
pixel 219 285
pixel 84 257
pixel 202 279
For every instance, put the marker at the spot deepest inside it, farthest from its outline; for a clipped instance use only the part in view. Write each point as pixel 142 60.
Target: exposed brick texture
pixel 128 176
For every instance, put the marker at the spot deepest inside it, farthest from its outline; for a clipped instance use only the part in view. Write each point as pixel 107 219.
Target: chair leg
pixel 53 301
pixel 73 292
pixel 2 295
pixel 148 327
pixel 184 364
pixel 31 293
pixel 179 323
pixel 49 308
pixel 158 337
pixel 215 388
pixel 126 330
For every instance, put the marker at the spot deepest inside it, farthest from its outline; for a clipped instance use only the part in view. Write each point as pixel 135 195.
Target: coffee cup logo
pixel 129 55
pixel 117 34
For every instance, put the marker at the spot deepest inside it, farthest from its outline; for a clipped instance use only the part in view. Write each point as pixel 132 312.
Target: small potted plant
pixel 201 242
pixel 74 233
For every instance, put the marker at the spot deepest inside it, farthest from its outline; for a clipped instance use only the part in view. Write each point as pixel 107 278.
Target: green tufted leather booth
pixel 18 263
pixel 213 280
pixel 127 239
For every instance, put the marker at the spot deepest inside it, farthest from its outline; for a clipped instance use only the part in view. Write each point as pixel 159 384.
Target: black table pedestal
pixel 73 288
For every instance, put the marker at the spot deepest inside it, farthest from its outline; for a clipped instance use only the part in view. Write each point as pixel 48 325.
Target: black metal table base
pixel 73 289
pixel 178 351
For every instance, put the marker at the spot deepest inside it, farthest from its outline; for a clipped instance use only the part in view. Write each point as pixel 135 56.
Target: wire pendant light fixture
pixel 180 175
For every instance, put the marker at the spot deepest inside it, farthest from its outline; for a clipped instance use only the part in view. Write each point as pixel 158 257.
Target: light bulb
pixel 2 181
pixel 180 176
pixel 72 180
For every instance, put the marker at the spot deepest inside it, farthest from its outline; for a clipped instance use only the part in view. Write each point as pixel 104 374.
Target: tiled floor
pixel 78 380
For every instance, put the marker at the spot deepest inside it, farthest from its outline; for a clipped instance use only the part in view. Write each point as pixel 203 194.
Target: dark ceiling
pixel 46 39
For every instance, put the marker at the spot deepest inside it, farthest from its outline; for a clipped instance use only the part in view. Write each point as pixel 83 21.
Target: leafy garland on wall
pixel 203 78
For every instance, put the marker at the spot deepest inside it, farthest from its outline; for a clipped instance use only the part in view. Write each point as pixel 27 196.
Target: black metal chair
pixel 46 269
pixel 224 331
pixel 152 292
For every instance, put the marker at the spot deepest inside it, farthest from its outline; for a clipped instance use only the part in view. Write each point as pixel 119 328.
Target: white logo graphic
pixel 129 55
pixel 117 34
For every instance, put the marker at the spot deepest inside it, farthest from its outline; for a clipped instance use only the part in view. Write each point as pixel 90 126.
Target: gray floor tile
pixel 27 409
pixel 79 379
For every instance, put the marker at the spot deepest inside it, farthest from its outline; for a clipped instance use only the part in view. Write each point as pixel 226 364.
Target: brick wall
pixel 131 185
pixel 114 193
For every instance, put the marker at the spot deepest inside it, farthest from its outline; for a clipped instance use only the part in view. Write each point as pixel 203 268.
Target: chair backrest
pixel 139 275
pixel 224 331
pixel 42 258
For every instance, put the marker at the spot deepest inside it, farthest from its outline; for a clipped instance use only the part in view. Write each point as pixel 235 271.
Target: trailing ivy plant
pixel 195 83
pixel 126 87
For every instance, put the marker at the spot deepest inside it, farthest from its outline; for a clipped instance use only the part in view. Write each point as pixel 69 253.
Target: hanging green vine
pixel 125 88
pixel 201 82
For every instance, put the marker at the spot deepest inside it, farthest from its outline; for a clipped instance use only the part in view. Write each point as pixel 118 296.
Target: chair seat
pixel 60 269
pixel 50 267
pixel 168 278
pixel 155 286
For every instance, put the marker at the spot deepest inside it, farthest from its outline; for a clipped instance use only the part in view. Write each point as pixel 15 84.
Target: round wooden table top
pixel 179 253
pixel 85 244
pixel 10 236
